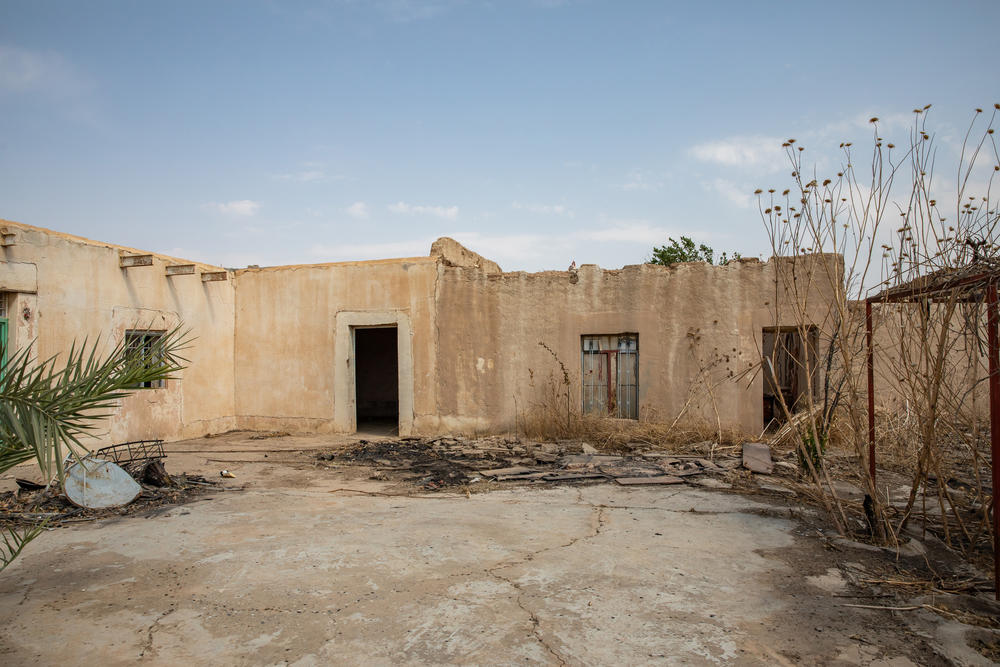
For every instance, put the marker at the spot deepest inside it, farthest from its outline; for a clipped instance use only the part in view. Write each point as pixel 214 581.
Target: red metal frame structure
pixel 970 289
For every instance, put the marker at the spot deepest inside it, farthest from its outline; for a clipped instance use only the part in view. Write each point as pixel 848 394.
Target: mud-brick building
pixel 446 343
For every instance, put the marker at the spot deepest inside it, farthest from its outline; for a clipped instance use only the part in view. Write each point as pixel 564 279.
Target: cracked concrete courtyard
pixel 311 567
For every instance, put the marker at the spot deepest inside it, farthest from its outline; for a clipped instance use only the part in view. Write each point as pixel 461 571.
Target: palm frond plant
pixel 47 407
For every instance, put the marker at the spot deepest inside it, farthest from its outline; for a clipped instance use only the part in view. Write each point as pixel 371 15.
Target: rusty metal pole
pixel 994 353
pixel 871 391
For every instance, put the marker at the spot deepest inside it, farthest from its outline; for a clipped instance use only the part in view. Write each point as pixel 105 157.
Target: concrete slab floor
pixel 308 575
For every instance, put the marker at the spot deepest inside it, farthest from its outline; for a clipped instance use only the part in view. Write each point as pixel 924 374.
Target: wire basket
pixel 129 454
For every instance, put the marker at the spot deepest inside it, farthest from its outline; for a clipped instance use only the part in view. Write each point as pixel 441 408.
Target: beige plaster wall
pixel 695 322
pixel 67 288
pixel 273 346
pixel 294 349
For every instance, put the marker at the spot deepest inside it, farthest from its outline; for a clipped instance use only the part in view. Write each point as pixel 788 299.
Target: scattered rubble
pixel 140 479
pixel 155 474
pixel 50 505
pixel 268 434
pixel 440 462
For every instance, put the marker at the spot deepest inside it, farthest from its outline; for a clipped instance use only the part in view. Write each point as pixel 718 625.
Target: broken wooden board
pixel 757 457
pixel 528 476
pixel 709 465
pixel 560 477
pixel 515 470
pixel 685 473
pixel 640 481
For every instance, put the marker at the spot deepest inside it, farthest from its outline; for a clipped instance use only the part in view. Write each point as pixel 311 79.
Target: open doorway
pixel 376 380
pixel 791 359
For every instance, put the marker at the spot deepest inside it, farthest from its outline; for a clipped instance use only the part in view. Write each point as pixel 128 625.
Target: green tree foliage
pixel 47 406
pixel 685 250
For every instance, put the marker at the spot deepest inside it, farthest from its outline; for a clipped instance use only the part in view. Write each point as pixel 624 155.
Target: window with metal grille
pixel 146 342
pixel 611 375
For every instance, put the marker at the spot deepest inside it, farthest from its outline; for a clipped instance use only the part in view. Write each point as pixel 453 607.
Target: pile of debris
pixel 441 462
pixel 38 503
pixel 128 478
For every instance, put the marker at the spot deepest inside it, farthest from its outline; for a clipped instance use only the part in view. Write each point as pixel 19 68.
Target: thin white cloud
pixel 445 212
pixel 754 151
pixel 305 176
pixel 23 71
pixel 547 209
pixel 508 248
pixel 362 251
pixel 516 249
pixel 739 196
pixel 639 180
pixel 358 210
pixel 627 241
pixel 241 208
pixel 848 129
pixel 631 231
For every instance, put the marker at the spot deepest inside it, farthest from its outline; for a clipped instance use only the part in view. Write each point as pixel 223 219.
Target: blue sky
pixel 536 132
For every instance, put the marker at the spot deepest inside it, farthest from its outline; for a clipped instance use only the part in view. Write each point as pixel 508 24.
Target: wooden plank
pixel 642 481
pixel 180 270
pixel 559 477
pixel 212 276
pixel 516 470
pixel 130 261
pixel 684 473
pixel 757 457
pixel 525 476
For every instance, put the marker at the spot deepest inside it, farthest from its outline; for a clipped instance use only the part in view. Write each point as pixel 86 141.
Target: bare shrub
pixel 894 232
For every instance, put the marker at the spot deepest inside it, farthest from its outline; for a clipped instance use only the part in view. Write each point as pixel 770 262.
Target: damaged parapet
pixel 453 253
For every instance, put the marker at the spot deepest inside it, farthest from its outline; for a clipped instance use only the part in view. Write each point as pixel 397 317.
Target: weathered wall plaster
pixel 293 342
pixel 273 347
pixel 696 323
pixel 74 289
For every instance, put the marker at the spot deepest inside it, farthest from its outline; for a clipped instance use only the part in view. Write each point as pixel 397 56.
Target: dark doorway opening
pixel 376 380
pixel 788 359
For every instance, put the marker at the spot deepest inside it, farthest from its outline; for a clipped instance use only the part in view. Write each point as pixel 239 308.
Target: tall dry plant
pixel 884 219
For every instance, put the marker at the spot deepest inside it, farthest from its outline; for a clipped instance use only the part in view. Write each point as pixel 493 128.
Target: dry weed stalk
pixel 934 365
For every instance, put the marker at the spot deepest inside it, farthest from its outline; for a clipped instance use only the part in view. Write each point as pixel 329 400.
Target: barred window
pixel 611 375
pixel 146 342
